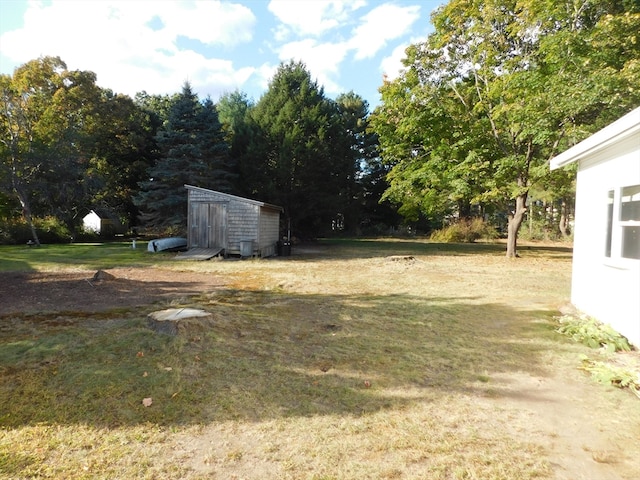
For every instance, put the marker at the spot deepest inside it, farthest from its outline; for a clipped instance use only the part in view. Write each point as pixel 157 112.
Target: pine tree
pixel 298 131
pixel 218 172
pixel 192 151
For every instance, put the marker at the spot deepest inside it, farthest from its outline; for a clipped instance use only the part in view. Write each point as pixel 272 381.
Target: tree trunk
pixel 564 220
pixel 26 212
pixel 515 220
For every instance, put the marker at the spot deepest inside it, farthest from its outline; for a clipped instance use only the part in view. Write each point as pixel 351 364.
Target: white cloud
pixel 311 17
pixel 383 23
pixel 391 66
pixel 115 40
pixel 263 75
pixel 210 22
pixel 322 59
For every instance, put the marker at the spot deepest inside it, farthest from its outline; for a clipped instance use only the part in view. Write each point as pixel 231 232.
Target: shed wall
pixel 269 231
pixel 246 220
pixel 242 224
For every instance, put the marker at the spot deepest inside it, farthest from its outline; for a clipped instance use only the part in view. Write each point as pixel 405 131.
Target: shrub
pixel 608 374
pixel 49 230
pixel 465 231
pixel 593 333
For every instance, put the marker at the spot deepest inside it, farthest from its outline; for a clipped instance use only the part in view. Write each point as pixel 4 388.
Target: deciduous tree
pixel 46 110
pixel 499 88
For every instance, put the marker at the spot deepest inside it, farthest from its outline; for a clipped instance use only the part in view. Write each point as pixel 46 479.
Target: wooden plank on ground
pixel 199 254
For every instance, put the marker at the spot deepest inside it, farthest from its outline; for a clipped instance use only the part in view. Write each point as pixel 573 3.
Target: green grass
pixel 341 365
pixel 77 255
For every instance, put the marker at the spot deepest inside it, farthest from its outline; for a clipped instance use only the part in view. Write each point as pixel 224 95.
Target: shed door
pixel 208 225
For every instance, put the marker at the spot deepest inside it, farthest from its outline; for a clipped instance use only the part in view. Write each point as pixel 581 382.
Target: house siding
pixel 605 286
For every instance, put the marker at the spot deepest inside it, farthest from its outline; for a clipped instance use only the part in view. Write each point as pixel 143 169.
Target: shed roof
pixel 236 198
pixel 624 127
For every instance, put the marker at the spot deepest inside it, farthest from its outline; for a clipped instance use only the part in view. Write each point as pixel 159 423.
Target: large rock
pixel 174 321
pixel 101 275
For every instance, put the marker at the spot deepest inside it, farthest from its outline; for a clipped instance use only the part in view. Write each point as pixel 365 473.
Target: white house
pixel 606 256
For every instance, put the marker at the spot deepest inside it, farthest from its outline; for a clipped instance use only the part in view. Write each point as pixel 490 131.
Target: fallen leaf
pixel 145 374
pixel 147 402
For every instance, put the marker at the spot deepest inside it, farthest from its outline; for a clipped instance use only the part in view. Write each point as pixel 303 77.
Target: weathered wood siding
pixel 269 231
pixel 220 220
pixel 243 224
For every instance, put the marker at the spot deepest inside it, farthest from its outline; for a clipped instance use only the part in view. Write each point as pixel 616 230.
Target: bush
pixel 593 333
pixel 49 230
pixel 465 231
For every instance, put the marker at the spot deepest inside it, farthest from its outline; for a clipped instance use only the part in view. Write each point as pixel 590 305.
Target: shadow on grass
pixel 265 355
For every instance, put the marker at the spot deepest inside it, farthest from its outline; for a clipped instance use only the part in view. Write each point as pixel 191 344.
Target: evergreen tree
pixel 192 151
pixel 358 148
pixel 234 110
pixel 294 149
pixel 219 169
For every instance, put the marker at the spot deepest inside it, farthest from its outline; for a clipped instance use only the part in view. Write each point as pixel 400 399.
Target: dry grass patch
pixel 343 363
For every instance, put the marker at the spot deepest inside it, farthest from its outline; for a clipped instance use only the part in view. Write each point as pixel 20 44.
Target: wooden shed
pixel 236 225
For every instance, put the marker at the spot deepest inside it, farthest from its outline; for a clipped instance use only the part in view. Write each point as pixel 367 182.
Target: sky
pixel 217 46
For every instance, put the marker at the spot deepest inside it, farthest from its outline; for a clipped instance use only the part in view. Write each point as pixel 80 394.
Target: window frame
pixel 615 226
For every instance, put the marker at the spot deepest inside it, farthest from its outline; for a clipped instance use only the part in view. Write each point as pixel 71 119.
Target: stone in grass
pixel 102 275
pixel 174 321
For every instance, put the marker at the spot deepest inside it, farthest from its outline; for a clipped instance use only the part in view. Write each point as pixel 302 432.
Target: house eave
pixel 622 128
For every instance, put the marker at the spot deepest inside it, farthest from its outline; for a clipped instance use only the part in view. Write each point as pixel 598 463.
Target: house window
pixel 630 221
pixel 623 223
pixel 607 247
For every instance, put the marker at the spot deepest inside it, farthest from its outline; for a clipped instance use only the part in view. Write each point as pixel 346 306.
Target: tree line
pixel 70 146
pixel 466 130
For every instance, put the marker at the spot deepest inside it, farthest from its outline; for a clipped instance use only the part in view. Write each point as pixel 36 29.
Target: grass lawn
pixel 348 360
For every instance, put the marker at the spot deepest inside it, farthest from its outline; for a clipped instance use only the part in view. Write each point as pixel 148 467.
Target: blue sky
pixel 218 46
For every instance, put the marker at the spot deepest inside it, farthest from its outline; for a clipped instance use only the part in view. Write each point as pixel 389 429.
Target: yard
pixel 386 359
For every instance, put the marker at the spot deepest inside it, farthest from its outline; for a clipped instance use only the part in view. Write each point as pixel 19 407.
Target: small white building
pixel 102 223
pixel 606 256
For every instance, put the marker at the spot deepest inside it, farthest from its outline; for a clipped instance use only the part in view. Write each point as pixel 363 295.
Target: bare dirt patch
pixel 77 291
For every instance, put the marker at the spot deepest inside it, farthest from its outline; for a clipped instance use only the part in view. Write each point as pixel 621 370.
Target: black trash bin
pixel 284 249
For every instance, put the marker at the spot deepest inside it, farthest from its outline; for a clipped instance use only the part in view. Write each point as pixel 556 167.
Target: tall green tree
pixel 122 149
pixel 294 149
pixel 358 147
pixel 507 84
pixel 46 110
pixel 234 111
pixel 192 151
